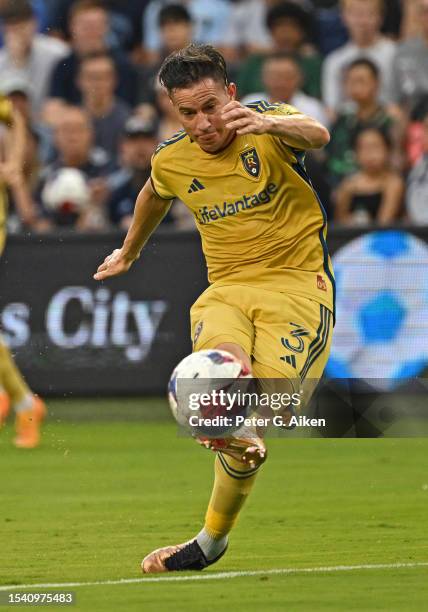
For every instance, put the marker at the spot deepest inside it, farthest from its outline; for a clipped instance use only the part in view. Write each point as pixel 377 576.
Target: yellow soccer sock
pixel 232 485
pixel 12 381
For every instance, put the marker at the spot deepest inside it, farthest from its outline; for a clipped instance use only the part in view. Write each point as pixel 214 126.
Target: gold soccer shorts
pixel 287 336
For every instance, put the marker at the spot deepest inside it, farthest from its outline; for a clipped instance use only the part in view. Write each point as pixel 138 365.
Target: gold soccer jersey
pixel 260 221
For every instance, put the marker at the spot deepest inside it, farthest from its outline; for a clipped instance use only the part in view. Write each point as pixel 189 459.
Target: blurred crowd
pixel 82 73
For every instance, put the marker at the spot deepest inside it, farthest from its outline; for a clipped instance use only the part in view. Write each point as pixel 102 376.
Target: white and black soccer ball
pixel 66 192
pixel 204 373
pixel 381 332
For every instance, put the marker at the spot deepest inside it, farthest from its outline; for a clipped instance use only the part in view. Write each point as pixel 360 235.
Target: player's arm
pixel 13 160
pixel 296 130
pixel 149 212
pixel 16 135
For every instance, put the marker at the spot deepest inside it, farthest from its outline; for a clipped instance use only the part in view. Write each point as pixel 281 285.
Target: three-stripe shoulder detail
pixel 170 141
pixel 261 106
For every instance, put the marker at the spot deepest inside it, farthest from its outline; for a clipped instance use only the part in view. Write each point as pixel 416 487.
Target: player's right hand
pixel 113 264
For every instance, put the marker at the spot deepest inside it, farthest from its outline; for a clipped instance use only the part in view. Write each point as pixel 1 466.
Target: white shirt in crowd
pixel 417 193
pixel 44 55
pixel 382 53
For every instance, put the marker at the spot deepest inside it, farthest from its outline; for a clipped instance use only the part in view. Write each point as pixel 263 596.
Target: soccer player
pixel 30 409
pixel 241 172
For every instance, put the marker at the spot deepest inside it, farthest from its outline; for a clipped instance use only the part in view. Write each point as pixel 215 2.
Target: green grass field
pixel 113 480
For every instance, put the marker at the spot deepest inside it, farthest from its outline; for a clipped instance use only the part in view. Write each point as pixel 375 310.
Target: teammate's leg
pixel 4 406
pixel 30 410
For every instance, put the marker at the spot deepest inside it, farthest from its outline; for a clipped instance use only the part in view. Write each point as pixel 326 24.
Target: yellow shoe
pixel 4 407
pixel 28 425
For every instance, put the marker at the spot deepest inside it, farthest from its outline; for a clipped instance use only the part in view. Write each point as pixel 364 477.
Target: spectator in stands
pixel 97 82
pixel 330 30
pixel 27 55
pixel 74 142
pixel 374 193
pixel 89 25
pixel 362 81
pixel 417 186
pixel 411 62
pixel 282 79
pixel 176 32
pixel 363 18
pixel 410 26
pixel 19 93
pixel 210 19
pixel 291 28
pixel 246 32
pixel 137 146
pixel 175 28
pixel 169 123
pixel 23 184
pixel 17 207
pixel 125 24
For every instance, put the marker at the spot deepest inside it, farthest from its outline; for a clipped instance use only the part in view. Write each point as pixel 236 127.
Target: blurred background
pixel 82 73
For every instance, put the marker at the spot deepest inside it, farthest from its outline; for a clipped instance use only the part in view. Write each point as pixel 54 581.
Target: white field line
pixel 218 575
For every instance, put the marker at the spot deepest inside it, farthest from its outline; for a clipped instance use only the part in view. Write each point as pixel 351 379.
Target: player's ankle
pixel 211 546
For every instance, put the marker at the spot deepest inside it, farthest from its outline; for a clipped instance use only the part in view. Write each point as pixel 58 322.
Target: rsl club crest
pixel 251 162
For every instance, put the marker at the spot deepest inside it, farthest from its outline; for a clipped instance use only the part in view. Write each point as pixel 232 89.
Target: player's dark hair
pixel 192 64
pixel 364 63
pixel 174 13
pixel 293 12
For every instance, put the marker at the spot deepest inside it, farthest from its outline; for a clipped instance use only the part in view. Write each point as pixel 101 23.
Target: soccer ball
pixel 202 385
pixel 66 192
pixel 381 334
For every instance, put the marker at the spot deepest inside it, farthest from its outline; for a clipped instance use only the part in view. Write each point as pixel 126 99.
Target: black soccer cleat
pixel 187 556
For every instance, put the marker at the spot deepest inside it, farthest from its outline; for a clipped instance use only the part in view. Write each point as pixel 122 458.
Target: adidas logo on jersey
pixel 290 359
pixel 195 186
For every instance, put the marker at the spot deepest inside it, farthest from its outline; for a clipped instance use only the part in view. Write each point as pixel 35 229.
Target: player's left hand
pixel 243 119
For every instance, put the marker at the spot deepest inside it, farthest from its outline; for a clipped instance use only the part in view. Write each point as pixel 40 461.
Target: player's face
pixel 199 109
